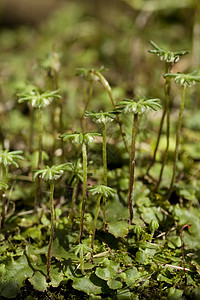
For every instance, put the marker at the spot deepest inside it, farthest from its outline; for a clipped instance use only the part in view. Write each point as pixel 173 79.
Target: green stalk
pixel 132 167
pixel 167 107
pixel 178 133
pixel 105 179
pixel 39 164
pixel 3 193
pixel 84 154
pixel 94 225
pixel 52 229
pixel 108 90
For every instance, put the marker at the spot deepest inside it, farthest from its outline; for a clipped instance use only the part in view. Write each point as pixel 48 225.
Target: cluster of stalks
pixel 79 171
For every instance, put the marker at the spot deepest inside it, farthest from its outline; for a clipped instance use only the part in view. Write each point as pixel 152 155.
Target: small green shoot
pixel 170 58
pixel 184 80
pixel 103 118
pixel 95 76
pixel 101 191
pixel 79 250
pixel 50 175
pixel 84 140
pixel 38 100
pixel 7 158
pixel 137 108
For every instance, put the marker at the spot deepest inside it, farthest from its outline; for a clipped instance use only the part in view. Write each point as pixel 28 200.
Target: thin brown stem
pixel 51 232
pixel 104 172
pixel 167 101
pixel 94 225
pixel 182 250
pixel 84 195
pixel 74 195
pixel 132 167
pixel 107 87
pixel 178 133
pixel 39 164
pixel 87 102
pixel 166 108
pixel 4 198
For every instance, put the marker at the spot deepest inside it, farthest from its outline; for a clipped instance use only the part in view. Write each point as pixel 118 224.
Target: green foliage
pixel 143 259
pixel 102 190
pixel 90 74
pixel 138 106
pixel 182 79
pixel 79 138
pixel 101 117
pixel 166 55
pixel 37 99
pixel 51 173
pixel 8 157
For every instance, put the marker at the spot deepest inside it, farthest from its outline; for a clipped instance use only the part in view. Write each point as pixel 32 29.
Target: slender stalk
pixel 87 102
pixel 84 154
pixel 39 164
pixel 4 198
pixel 81 254
pixel 108 90
pixel 167 107
pixel 178 133
pixel 40 128
pixel 196 35
pixel 182 250
pixel 94 225
pixel 52 230
pixel 74 195
pixel 31 128
pixel 132 167
pixel 104 171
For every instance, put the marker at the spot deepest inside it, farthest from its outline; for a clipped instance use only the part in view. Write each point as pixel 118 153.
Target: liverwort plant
pixel 103 118
pixel 184 80
pixel 7 158
pixel 38 100
pixel 97 76
pixel 169 58
pixel 137 108
pixel 50 174
pixel 102 191
pixel 83 140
